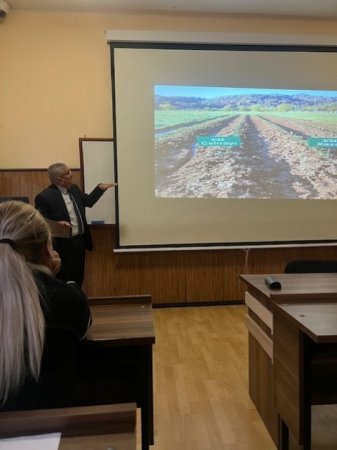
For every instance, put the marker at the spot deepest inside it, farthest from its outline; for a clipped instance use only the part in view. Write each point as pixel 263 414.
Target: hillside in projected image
pixel 245 143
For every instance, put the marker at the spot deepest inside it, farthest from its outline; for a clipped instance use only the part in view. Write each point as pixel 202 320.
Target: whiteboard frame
pixel 103 213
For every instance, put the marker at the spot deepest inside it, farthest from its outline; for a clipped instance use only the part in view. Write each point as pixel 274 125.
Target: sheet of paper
pixel 37 442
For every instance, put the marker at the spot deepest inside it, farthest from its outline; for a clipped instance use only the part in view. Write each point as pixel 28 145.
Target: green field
pixel 171 118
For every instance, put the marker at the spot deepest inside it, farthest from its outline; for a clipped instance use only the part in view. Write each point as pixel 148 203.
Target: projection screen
pixel 224 145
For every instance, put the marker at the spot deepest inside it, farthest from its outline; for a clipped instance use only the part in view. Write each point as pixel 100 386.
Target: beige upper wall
pixel 55 75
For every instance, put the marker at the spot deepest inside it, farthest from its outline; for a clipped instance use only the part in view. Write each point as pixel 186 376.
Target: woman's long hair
pixel 23 235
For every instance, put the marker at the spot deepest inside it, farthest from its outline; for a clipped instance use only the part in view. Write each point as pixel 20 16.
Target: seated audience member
pixel 42 319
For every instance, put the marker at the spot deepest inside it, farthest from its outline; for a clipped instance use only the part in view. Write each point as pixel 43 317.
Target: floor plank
pixel 200 373
pixel 201 398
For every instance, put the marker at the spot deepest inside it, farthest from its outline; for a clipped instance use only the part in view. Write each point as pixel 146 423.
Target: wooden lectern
pixel 58 230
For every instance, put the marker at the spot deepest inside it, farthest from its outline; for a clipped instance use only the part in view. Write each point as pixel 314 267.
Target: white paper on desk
pixel 37 442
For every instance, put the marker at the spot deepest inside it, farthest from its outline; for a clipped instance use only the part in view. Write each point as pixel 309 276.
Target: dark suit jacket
pixel 51 205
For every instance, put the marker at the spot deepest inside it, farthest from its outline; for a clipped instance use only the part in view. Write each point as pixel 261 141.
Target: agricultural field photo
pixel 219 142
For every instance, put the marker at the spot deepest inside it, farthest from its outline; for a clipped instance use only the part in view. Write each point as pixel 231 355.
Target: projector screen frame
pixel 238 45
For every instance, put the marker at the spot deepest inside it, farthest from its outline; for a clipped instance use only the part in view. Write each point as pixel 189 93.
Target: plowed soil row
pixel 270 163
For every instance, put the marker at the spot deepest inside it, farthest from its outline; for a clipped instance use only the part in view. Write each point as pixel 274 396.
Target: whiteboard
pixel 97 166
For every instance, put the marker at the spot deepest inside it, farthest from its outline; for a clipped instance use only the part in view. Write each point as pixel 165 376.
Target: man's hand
pixel 105 186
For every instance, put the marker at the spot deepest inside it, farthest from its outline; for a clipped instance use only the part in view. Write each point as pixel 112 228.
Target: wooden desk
pixel 296 288
pixel 305 358
pixel 126 323
pixel 122 320
pixel 83 428
pixel 58 230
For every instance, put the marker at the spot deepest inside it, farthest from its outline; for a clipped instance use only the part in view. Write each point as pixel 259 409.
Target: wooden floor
pixel 201 398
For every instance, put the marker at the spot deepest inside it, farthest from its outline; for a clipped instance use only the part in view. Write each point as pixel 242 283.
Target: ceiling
pixel 297 8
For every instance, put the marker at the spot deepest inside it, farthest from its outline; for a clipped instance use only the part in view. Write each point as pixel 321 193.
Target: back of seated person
pixel 42 319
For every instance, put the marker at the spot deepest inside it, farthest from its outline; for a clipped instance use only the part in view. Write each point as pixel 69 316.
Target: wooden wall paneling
pixel 23 183
pixel 185 276
pixel 100 273
pixel 170 277
pixel 165 276
pixel 271 260
pixel 26 182
pixel 157 273
pixel 213 275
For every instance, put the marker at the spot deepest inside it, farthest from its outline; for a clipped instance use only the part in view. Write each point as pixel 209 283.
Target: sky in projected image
pixel 219 142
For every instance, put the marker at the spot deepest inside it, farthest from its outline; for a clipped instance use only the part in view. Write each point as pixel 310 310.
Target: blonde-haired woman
pixel 41 318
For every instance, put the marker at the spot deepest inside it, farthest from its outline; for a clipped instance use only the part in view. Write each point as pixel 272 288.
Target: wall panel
pixel 172 277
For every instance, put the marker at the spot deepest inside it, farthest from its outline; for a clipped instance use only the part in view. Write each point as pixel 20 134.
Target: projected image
pixel 213 142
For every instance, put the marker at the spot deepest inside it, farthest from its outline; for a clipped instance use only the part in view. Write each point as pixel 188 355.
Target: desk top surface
pixel 317 320
pixel 83 428
pixel 299 287
pixel 58 230
pixel 122 321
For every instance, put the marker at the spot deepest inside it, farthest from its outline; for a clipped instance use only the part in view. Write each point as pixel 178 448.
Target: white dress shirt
pixel 71 210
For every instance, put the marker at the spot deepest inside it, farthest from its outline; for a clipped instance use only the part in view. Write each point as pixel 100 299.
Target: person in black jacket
pixel 64 202
pixel 42 318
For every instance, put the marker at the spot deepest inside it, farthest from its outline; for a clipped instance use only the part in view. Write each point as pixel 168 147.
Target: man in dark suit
pixel 65 203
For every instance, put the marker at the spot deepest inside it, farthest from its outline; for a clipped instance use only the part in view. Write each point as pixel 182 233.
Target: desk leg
pixel 147 398
pixel 283 435
pixel 307 434
pixel 305 373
